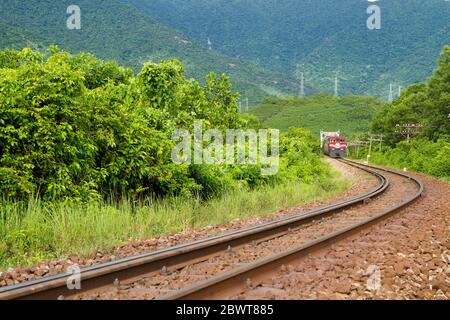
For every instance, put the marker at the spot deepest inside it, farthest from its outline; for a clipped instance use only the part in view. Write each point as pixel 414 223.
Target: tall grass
pixel 34 231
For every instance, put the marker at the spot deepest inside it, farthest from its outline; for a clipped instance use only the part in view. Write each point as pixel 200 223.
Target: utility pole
pixel 391 93
pixel 358 144
pixel 408 130
pixel 399 91
pixel 377 138
pixel 302 85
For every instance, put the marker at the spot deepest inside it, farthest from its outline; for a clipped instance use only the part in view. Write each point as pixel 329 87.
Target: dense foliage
pixel 351 114
pixel 319 38
pixel 114 30
pixel 427 104
pixel 77 127
pixel 432 158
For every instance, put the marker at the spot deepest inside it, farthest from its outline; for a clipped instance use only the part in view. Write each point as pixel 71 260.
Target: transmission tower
pixel 209 44
pixel 336 86
pixel 391 93
pixel 302 85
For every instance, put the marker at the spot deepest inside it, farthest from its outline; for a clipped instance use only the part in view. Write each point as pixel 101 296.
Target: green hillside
pixel 351 114
pixel 115 30
pixel 319 38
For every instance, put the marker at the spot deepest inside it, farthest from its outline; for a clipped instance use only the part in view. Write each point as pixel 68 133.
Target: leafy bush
pixel 301 156
pixel 421 155
pixel 79 128
pixel 427 104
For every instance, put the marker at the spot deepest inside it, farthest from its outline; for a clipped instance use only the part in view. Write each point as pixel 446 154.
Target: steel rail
pixel 235 281
pixel 103 275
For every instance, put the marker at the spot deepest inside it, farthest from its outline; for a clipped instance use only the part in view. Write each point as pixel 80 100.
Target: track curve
pixel 231 283
pixel 100 277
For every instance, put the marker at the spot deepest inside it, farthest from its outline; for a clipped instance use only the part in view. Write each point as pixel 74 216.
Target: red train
pixel 334 144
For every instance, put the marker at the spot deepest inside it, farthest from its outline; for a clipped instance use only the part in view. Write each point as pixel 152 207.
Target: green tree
pixel 427 104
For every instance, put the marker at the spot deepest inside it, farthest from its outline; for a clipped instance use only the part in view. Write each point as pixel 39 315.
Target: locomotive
pixel 333 144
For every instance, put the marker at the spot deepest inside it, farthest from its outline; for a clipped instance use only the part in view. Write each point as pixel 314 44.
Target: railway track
pixel 306 232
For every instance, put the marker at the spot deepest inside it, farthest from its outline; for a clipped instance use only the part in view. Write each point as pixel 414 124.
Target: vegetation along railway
pixel 225 265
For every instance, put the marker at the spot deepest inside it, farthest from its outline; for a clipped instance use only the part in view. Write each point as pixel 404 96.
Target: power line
pixel 358 144
pixel 376 138
pixel 408 130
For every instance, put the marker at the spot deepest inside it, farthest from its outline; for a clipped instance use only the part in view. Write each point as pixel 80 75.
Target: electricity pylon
pixel 302 85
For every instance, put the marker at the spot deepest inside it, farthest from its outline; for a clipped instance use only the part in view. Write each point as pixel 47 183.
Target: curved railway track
pixel 100 278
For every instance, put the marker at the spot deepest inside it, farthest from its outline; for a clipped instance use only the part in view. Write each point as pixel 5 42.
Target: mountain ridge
pixel 319 38
pixel 116 30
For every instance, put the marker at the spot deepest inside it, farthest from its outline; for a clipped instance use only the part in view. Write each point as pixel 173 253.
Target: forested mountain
pixel 115 30
pixel 319 37
pixel 263 45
